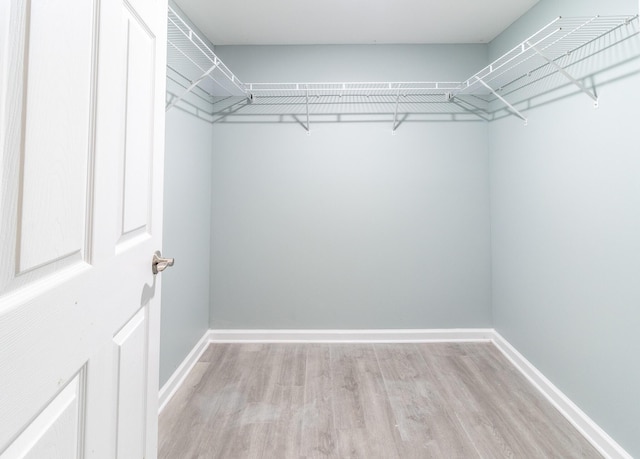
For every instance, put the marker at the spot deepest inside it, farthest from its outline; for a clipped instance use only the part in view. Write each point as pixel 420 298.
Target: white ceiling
pixel 292 22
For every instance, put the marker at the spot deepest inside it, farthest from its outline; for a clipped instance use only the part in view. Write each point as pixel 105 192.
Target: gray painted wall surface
pixel 187 210
pixel 565 207
pixel 352 63
pixel 350 227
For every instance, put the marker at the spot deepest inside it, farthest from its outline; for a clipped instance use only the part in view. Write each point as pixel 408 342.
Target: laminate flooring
pixel 442 400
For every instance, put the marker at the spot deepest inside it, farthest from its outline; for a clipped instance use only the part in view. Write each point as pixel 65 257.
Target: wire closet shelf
pixel 192 59
pixel 548 51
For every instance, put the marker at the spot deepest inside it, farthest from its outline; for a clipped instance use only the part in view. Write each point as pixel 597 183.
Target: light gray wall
pixel 350 227
pixel 565 208
pixel 354 228
pixel 352 63
pixel 187 210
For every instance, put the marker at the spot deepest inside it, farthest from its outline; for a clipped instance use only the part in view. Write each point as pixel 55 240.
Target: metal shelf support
pixel 511 107
pixel 189 56
pixel 560 69
pixel 395 114
pixel 191 87
pixel 307 102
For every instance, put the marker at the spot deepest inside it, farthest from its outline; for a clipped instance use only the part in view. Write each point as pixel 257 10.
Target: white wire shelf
pixel 190 57
pixel 350 89
pixel 550 51
pixel 557 41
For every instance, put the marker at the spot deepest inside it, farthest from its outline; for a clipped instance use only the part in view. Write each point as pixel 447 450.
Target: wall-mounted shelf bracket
pixel 308 128
pixel 193 84
pixel 395 115
pixel 504 101
pixel 560 69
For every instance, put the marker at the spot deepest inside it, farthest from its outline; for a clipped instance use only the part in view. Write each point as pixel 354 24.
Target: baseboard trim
pixel 176 380
pixel 606 445
pixel 578 418
pixel 351 336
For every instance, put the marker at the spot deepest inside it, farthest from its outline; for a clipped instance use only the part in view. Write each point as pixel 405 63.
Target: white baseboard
pixel 585 425
pixel 578 418
pixel 351 336
pixel 172 385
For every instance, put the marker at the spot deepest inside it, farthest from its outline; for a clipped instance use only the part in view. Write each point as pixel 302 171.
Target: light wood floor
pixel 280 401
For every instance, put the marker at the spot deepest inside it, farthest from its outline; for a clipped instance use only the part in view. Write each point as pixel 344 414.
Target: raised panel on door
pixel 137 153
pixel 57 432
pixel 45 218
pixel 5 29
pixel 131 350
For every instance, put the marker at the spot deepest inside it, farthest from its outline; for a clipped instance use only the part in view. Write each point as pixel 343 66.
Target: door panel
pixel 136 173
pixel 131 343
pixel 45 166
pixel 54 159
pixel 57 431
pixel 81 176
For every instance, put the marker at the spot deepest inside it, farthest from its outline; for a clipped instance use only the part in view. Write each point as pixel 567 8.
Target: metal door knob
pixel 159 264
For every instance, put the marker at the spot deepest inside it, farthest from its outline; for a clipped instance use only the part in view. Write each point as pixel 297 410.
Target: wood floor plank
pixel 172 423
pixel 277 429
pixel 386 401
pixel 557 437
pixel 318 434
pixel 427 426
pixel 485 424
pixel 186 428
pixel 493 393
pixel 363 415
pixel 216 407
pixel 345 387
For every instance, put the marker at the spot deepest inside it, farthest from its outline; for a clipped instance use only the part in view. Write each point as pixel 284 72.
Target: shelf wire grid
pixel 189 56
pixel 360 104
pixel 365 98
pixel 361 89
pixel 558 41
pixel 563 41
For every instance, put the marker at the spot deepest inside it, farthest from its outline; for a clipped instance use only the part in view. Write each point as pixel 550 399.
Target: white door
pixel 81 167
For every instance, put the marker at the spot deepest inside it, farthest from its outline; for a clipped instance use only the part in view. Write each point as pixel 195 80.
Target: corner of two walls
pixel 350 227
pixel 187 228
pixel 565 216
pixel 185 288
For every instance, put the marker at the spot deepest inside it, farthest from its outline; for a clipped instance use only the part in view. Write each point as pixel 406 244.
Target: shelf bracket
pixel 308 128
pixel 504 101
pixel 560 69
pixel 395 114
pixel 195 83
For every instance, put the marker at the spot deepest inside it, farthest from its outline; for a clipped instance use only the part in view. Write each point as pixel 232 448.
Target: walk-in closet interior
pixel 482 191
